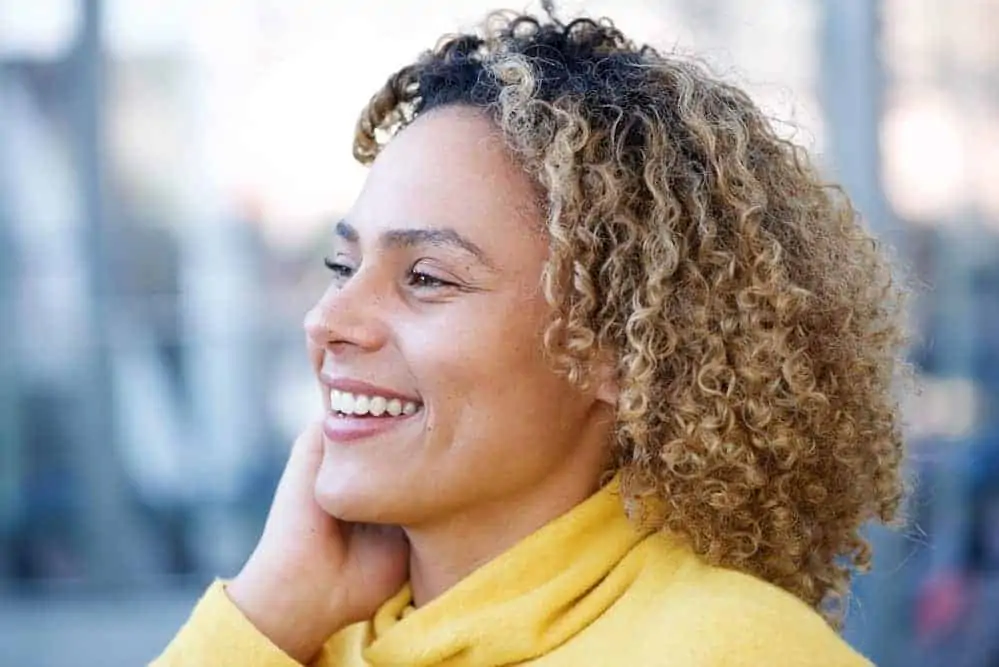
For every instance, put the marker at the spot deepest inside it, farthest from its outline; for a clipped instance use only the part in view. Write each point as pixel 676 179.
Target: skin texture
pixel 311 574
pixel 498 428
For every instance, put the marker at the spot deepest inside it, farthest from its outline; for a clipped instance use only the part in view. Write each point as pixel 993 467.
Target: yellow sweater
pixel 587 589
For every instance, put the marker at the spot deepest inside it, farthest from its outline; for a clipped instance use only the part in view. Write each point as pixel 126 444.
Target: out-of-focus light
pixel 40 29
pixel 147 28
pixel 924 158
pixel 945 408
pixel 288 145
pixel 986 174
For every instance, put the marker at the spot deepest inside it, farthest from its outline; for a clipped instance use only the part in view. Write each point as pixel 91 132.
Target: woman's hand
pixel 311 575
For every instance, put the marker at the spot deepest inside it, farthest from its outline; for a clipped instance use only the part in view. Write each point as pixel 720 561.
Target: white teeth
pixel 377 407
pixel 361 404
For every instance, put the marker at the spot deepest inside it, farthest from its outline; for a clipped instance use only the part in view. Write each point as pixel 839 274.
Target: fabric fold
pixel 524 603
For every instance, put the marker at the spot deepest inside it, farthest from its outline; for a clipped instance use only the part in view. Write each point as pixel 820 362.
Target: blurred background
pixel 168 173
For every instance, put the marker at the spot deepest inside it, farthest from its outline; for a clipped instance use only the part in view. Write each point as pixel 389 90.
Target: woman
pixel 607 374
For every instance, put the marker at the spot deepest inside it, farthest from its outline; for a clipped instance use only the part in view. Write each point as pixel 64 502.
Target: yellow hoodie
pixel 587 589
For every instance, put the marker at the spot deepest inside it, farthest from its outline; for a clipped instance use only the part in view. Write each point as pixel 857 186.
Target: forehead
pixel 450 168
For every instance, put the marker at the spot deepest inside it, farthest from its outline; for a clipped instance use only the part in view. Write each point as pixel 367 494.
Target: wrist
pixel 282 615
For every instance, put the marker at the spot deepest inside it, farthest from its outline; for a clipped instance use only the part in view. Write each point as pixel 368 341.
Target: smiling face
pixel 434 320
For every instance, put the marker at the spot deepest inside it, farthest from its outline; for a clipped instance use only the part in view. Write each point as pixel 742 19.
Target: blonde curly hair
pixel 755 323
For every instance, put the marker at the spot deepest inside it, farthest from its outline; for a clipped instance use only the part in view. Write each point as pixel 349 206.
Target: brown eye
pixel 426 281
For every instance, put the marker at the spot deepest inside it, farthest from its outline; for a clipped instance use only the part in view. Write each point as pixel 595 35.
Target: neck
pixel 444 553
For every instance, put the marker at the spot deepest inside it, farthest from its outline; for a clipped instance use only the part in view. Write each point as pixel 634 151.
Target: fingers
pixel 367 540
pixel 378 558
pixel 295 496
pixel 306 455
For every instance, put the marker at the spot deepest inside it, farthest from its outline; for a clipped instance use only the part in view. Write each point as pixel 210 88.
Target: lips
pixel 360 410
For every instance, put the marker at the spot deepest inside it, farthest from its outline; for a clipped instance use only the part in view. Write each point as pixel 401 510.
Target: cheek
pixel 487 338
pixel 483 366
pixel 453 365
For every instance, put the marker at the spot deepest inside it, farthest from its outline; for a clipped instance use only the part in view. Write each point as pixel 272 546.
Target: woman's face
pixel 430 336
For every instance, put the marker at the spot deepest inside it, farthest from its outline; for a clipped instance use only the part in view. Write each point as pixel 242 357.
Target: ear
pixel 605 381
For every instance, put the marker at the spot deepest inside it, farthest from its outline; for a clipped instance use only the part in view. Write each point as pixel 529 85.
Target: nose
pixel 346 317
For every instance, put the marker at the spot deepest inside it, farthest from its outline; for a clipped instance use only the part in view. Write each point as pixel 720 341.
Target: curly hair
pixel 755 323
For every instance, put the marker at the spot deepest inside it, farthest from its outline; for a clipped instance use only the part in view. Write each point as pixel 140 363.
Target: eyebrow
pixel 408 238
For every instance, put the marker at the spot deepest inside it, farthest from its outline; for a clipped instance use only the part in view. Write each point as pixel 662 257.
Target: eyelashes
pixel 339 270
pixel 415 278
pixel 426 281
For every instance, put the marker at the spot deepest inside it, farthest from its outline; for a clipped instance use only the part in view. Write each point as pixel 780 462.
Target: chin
pixel 353 495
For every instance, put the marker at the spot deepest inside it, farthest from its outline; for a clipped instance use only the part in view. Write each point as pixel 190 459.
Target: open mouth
pixel 347 404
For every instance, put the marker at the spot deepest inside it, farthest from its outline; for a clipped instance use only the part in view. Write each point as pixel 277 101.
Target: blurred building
pixel 168 171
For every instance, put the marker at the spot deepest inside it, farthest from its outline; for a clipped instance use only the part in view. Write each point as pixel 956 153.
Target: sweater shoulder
pixel 736 619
